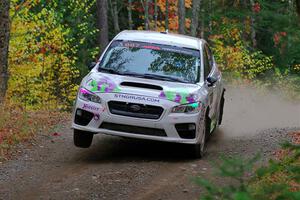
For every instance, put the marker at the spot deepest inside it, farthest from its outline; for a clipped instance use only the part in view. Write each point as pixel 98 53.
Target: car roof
pixel 161 38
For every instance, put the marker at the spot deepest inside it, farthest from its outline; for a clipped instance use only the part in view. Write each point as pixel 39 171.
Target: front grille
pixel 134 129
pixel 135 110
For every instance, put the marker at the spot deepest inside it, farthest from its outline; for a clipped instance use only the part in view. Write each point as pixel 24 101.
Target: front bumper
pixel 166 123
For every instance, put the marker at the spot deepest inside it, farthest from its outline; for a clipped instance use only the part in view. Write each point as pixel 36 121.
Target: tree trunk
pixel 155 14
pixel 129 8
pixel 151 14
pixel 115 15
pixel 146 15
pixel 202 32
pixel 167 15
pixel 195 17
pixel 210 14
pixel 253 31
pixel 298 9
pixel 181 16
pixel 4 44
pixel 102 23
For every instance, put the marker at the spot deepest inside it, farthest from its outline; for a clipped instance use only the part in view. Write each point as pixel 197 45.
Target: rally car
pixel 153 86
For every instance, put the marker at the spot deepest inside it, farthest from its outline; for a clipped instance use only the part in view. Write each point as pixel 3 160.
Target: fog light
pixel 186 130
pixel 191 127
pixel 79 112
pixel 83 117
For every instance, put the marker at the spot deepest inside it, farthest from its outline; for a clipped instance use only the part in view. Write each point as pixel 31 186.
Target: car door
pixel 212 90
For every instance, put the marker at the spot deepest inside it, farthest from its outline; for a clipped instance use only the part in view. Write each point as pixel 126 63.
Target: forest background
pixel 255 42
pixel 46 46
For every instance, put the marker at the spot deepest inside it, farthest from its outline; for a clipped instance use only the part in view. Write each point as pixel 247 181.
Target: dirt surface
pixel 118 168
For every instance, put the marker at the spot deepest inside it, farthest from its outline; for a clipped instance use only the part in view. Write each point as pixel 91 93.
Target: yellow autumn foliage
pixel 233 56
pixel 41 74
pixel 173 16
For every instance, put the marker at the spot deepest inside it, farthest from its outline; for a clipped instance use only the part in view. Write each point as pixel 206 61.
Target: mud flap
pixel 213 124
pixel 221 108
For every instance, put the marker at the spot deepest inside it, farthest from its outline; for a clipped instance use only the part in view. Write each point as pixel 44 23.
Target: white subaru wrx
pixel 154 86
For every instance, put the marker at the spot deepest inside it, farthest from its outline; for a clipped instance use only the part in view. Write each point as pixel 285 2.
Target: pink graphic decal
pixel 162 95
pixel 181 97
pixel 84 91
pixel 177 98
pixel 95 110
pixel 96 117
pixel 90 107
pixel 104 85
pixel 190 98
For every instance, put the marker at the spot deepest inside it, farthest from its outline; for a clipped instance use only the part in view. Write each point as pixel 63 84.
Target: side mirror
pixel 92 65
pixel 211 81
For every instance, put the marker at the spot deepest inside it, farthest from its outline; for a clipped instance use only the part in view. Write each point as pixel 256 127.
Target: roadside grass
pixel 18 125
pixel 276 180
pixel 280 179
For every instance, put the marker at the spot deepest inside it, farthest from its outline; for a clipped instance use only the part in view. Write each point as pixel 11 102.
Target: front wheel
pixel 199 150
pixel 82 139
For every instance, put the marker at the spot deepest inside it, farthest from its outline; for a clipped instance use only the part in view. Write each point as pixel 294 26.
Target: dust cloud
pixel 248 112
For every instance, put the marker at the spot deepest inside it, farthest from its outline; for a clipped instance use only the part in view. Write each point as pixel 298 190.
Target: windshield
pixel 153 60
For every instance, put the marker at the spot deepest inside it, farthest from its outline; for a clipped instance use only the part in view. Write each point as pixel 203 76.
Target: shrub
pixel 18 125
pixel 235 58
pixel 280 179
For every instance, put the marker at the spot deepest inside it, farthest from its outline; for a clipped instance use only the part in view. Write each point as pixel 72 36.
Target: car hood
pixel 181 93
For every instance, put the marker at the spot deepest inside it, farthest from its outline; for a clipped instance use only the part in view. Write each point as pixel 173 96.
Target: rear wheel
pixel 82 139
pixel 199 150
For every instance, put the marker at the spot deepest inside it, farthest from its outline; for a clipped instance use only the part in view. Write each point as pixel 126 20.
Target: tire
pixel 82 139
pixel 199 150
pixel 221 108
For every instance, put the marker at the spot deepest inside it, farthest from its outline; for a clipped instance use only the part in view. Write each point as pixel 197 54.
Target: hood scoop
pixel 141 85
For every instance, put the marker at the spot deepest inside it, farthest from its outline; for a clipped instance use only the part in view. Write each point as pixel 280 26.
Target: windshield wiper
pixel 111 71
pixel 147 76
pixel 164 78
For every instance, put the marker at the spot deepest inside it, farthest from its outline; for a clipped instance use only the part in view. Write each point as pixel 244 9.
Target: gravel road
pixel 118 168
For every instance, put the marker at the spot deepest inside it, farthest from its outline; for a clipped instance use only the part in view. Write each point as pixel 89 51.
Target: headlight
pixel 188 108
pixel 86 95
